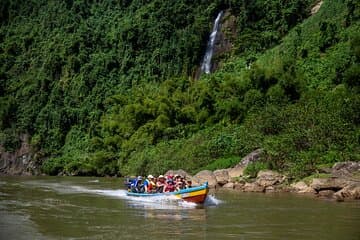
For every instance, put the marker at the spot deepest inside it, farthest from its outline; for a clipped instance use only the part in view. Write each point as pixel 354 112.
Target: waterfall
pixel 206 62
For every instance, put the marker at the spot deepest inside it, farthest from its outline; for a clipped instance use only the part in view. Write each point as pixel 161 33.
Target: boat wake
pixel 212 201
pixel 155 202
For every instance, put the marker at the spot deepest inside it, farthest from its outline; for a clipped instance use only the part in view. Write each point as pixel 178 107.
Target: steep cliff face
pixel 21 162
pixel 225 40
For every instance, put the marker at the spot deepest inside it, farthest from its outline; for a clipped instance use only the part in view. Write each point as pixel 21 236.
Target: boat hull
pixel 195 194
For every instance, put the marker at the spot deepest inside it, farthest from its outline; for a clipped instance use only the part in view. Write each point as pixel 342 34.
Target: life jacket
pixel 149 185
pixel 169 188
pixel 136 186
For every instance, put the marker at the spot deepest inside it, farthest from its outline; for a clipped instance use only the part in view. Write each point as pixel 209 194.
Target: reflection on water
pixel 179 214
pixel 88 208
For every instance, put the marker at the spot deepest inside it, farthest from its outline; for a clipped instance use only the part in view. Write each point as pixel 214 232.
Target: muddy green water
pixel 98 208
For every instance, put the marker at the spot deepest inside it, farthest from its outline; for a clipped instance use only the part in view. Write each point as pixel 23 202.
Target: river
pixel 98 208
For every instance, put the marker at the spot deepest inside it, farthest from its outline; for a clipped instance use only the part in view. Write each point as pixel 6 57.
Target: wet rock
pixel 352 191
pixel 302 187
pixel 271 189
pixel 239 186
pixel 205 176
pixel 320 184
pixel 326 193
pixel 225 38
pixel 253 187
pixel 222 176
pixel 229 185
pixel 267 178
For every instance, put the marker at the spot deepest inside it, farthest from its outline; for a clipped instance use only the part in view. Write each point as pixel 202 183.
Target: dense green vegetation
pixel 105 87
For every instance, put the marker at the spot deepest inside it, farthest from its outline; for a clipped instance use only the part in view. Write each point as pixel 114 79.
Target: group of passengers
pixel 160 184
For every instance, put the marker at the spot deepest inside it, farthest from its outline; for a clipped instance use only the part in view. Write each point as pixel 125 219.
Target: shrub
pixel 253 168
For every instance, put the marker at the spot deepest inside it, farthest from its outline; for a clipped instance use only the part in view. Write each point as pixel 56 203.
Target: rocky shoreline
pixel 340 182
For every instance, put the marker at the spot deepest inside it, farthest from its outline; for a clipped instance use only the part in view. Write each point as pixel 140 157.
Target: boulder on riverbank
pixel 302 187
pixel 222 176
pixel 235 172
pixel 253 187
pixel 351 191
pixel 180 172
pixel 205 176
pixel 343 183
pixel 268 178
pixel 229 185
pixel 321 184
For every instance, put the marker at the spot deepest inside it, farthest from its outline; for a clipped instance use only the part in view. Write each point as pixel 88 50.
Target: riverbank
pixel 340 182
pixel 50 207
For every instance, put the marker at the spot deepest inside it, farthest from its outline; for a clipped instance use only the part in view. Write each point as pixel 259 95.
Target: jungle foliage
pixel 106 87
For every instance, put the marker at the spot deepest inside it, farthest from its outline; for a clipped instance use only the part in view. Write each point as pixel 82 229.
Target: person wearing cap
pixel 137 185
pixel 149 184
pixel 160 184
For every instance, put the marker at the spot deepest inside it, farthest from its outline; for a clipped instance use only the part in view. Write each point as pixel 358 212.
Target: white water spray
pixel 206 62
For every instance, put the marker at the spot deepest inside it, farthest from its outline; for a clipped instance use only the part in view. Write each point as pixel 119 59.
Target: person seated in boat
pixel 149 184
pixel 128 183
pixel 137 186
pixel 169 177
pixel 188 184
pixel 183 182
pixel 170 186
pixel 178 183
pixel 160 184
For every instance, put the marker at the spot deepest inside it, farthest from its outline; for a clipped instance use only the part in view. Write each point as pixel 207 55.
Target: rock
pixel 270 189
pixel 235 172
pixel 178 172
pixel 205 176
pixel 239 186
pixel 250 158
pixel 316 8
pixel 267 178
pixel 238 170
pixel 229 185
pixel 222 176
pixel 335 184
pixel 326 170
pixel 345 169
pixel 302 187
pixel 351 191
pixel 253 187
pixel 326 193
pixel 21 161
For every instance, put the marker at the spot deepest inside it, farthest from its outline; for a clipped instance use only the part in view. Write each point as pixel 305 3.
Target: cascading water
pixel 206 62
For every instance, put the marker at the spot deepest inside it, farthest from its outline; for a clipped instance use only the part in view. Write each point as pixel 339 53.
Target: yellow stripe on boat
pixel 192 194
